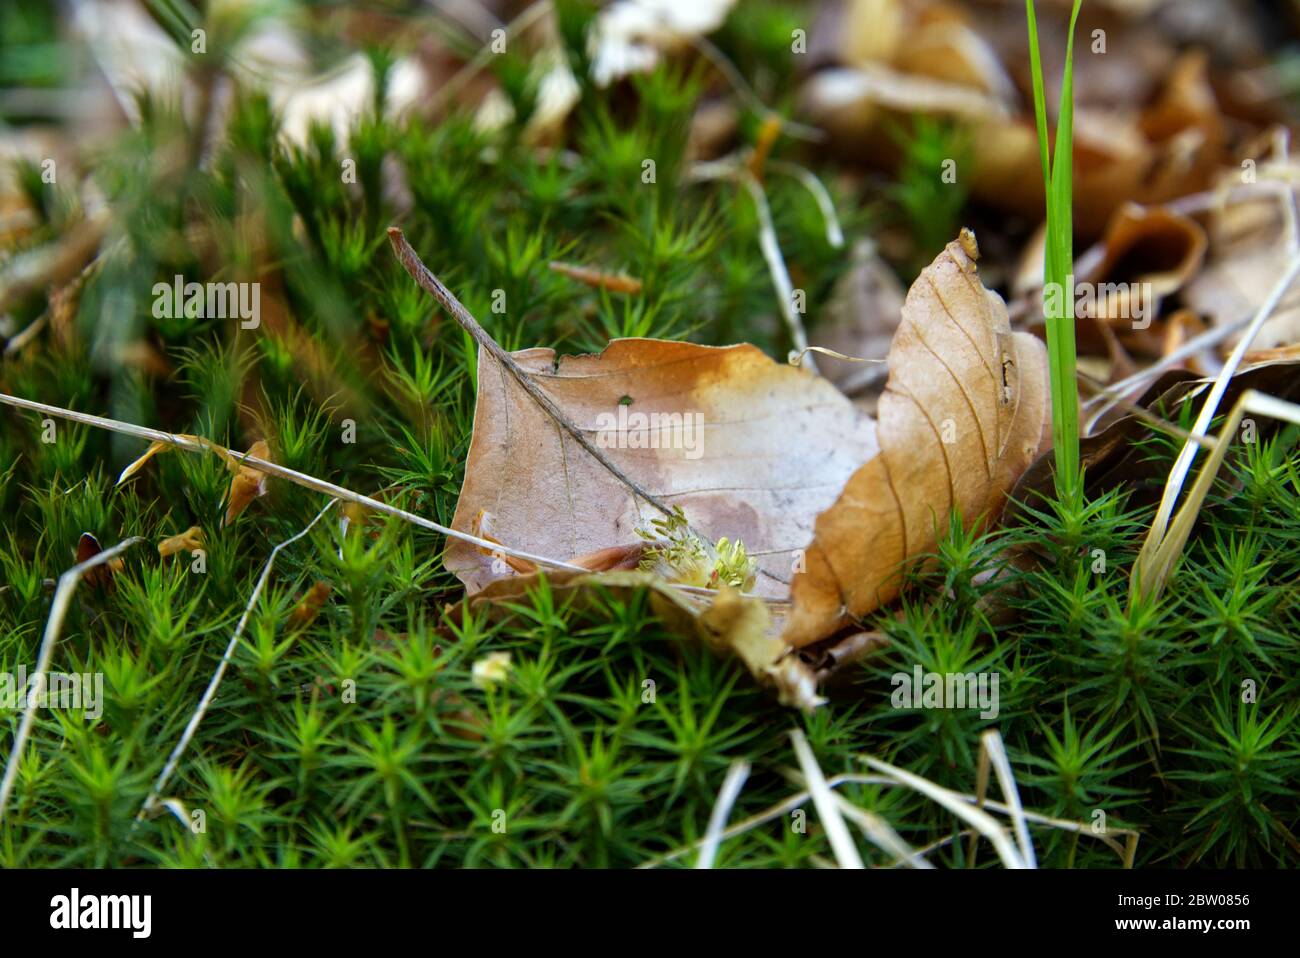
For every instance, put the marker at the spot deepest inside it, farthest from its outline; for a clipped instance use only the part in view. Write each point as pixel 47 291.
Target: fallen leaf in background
pixel 1247 255
pixel 1189 129
pixel 964 412
pixel 1184 326
pixel 1149 124
pixel 1111 456
pixel 1147 254
pixel 851 103
pixel 1288 353
pixel 944 46
pixel 860 320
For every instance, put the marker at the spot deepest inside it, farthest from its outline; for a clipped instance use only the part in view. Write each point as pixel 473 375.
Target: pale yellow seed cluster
pixel 679 555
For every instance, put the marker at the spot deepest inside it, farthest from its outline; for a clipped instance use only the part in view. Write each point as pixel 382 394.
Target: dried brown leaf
pixel 965 411
pixel 780 451
pixel 1147 254
pixel 761 447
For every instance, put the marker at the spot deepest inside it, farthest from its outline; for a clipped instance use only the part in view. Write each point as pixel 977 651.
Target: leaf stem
pixel 411 262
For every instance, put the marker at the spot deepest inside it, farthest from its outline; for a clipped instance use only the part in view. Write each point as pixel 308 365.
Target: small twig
pixel 598 279
pixel 730 791
pixel 53 626
pixel 210 693
pixel 410 260
pixel 24 336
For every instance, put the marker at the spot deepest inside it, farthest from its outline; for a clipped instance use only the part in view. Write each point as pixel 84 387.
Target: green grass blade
pixel 1059 254
pixel 1040 98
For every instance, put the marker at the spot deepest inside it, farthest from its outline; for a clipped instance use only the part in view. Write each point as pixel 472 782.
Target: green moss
pixel 361 738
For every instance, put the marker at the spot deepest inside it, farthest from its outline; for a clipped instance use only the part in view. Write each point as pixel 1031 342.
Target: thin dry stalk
pixel 730 791
pixel 837 833
pixel 991 745
pixel 1155 563
pixel 796 355
pixel 411 262
pixel 1162 547
pixel 733 169
pixel 981 789
pixel 53 627
pixel 1178 474
pixel 821 196
pixel 881 834
pixel 955 803
pixel 199 444
pixel 214 683
pixel 1126 852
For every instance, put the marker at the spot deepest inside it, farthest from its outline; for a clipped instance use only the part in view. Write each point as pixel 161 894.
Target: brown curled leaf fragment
pixel 309 606
pixel 598 279
pixel 188 541
pixel 248 483
pixel 133 468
